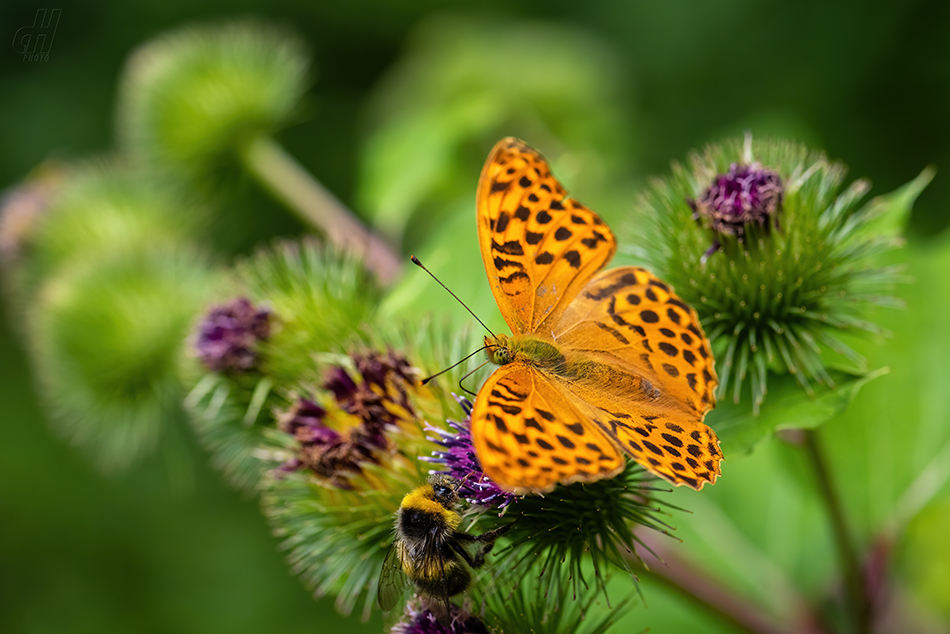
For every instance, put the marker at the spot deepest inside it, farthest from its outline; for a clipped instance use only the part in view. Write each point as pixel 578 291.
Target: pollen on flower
pixel 743 195
pixel 459 461
pixel 228 336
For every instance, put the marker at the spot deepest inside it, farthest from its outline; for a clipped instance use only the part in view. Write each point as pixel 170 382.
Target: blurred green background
pixel 168 547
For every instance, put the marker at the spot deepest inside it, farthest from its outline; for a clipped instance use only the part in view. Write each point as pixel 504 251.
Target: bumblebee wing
pixel 392 580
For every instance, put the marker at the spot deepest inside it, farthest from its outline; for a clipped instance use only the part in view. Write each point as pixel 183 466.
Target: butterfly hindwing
pixel 669 441
pixel 530 437
pixel 539 246
pixel 626 316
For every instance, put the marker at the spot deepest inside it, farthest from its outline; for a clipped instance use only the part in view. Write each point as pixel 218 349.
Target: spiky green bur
pixel 531 608
pixel 90 211
pixel 319 302
pixel 780 297
pixel 105 277
pixel 190 99
pixel 322 301
pixel 578 531
pixel 105 337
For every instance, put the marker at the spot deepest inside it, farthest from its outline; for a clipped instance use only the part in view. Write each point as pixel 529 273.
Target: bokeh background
pixel 166 546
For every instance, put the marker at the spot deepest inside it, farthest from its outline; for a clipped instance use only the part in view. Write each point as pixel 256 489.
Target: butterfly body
pixel 569 366
pixel 601 364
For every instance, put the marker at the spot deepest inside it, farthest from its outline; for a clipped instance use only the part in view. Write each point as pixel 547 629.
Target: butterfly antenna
pixel 416 261
pixel 427 379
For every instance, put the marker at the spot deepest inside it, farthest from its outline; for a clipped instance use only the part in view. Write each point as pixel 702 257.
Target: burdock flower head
pixel 795 258
pixel 744 195
pixel 228 336
pixel 351 452
pixel 335 443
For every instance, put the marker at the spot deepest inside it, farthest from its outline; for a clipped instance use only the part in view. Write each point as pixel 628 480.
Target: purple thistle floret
pixel 228 336
pixel 339 382
pixel 461 463
pixel 419 620
pixel 378 400
pixel 743 195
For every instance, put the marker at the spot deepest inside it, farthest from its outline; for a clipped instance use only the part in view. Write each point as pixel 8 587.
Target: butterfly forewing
pixel 530 437
pixel 627 316
pixel 539 246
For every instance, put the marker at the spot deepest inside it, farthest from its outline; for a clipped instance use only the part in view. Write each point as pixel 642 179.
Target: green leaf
pixel 788 407
pixel 455 92
pixel 888 214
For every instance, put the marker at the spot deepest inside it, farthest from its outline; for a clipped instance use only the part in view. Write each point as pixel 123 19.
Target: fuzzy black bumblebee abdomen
pixel 453 579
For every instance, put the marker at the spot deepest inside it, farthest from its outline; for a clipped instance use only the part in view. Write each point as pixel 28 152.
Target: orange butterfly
pixel 599 363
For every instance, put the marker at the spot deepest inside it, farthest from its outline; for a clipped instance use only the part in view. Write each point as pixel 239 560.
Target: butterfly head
pixel 498 349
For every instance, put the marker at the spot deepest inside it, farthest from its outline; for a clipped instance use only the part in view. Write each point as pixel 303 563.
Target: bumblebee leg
pixel 491 536
pixel 486 541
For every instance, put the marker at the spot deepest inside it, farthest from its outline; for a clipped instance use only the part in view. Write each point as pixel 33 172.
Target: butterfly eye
pixel 502 356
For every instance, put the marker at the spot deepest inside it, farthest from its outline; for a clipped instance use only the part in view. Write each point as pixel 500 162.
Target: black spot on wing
pixel 616 334
pixel 501 263
pixel 627 279
pixel 512 247
pixel 546 415
pixel 502 223
pixel 517 275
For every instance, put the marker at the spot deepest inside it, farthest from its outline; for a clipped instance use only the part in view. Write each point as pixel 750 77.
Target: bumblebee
pixel 429 550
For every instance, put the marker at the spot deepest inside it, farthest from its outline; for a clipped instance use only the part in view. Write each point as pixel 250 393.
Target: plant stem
pixel 696 586
pixel 858 602
pixel 286 179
